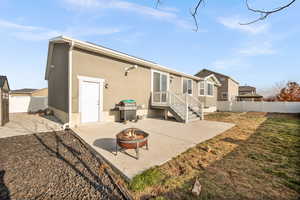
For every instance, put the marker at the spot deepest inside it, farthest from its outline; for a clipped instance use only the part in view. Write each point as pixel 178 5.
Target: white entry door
pixel 90 103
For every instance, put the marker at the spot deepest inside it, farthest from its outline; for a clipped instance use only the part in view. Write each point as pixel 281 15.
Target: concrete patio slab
pixel 167 139
pixel 23 124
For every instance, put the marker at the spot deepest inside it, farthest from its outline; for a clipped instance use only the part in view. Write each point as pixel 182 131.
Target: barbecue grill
pixel 127 110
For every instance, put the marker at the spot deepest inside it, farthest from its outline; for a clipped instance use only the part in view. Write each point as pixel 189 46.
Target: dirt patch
pixel 54 165
pixel 259 158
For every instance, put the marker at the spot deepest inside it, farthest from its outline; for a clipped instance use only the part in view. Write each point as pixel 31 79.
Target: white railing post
pixel 186 109
pixel 202 111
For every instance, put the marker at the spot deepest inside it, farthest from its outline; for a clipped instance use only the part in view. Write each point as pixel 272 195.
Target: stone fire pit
pixel 131 138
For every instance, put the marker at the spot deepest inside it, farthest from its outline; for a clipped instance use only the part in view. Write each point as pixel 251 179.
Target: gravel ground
pixel 53 165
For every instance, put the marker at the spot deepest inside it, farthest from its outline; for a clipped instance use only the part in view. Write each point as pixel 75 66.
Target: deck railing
pixel 181 103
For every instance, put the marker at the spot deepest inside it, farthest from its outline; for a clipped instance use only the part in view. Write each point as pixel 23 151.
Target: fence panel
pixel 23 104
pixel 246 106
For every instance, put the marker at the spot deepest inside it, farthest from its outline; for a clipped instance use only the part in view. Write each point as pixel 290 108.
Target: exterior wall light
pixel 128 69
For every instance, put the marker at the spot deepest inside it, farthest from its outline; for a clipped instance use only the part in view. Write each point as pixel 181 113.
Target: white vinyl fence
pixel 247 106
pixel 23 104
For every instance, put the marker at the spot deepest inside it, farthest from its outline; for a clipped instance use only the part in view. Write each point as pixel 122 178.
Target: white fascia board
pixel 122 56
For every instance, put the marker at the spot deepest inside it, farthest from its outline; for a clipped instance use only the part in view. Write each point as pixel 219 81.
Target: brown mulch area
pixel 53 165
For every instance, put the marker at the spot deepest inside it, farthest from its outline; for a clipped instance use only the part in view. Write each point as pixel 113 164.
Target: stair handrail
pixel 194 101
pixel 183 102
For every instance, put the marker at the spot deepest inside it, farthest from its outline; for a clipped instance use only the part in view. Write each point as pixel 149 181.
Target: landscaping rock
pixel 197 188
pixel 53 165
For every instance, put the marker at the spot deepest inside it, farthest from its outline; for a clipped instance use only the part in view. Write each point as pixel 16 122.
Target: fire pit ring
pixel 132 138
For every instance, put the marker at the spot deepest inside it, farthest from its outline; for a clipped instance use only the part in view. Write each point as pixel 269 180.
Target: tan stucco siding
pixel 58 78
pixel 175 84
pixel 136 85
pixel 210 100
pixel 1 107
pixel 233 90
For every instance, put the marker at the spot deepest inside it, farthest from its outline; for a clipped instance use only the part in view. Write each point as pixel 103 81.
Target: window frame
pixel 212 86
pixel 187 79
pixel 199 86
pixel 222 93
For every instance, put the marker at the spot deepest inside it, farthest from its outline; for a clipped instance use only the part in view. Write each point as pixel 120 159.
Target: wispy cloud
pixel 229 63
pixel 164 14
pixel 257 48
pixel 234 23
pixel 37 33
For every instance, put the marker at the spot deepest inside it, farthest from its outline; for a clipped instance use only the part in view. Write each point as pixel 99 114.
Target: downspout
pixel 70 81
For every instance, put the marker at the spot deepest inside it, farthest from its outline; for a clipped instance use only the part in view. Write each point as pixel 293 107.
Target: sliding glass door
pixel 159 86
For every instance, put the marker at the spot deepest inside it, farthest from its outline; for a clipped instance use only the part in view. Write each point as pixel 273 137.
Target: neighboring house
pixel 229 87
pixel 28 100
pixel 86 81
pixel 248 93
pixel 4 100
pixel 30 92
pixel 247 90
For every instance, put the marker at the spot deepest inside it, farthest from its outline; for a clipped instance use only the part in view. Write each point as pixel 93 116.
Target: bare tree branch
pixel 265 13
pixel 194 13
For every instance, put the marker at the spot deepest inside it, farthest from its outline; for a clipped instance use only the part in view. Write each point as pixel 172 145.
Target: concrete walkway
pixel 167 139
pixel 23 124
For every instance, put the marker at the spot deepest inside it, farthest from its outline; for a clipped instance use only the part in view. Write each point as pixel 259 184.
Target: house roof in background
pixel 111 53
pixel 202 75
pixel 250 95
pixel 246 87
pixel 23 91
pixel 2 81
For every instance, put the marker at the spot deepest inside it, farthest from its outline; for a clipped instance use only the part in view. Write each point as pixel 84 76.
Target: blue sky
pixel 259 55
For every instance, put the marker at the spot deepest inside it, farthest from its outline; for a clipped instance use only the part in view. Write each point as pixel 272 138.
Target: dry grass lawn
pixel 259 158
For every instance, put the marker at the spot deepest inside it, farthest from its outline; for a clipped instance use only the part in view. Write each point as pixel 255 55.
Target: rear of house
pixel 86 81
pixel 229 89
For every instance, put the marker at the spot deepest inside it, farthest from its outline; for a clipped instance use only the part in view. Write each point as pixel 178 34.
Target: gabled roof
pixel 203 73
pixel 3 79
pixel 111 53
pixel 212 76
pixel 22 91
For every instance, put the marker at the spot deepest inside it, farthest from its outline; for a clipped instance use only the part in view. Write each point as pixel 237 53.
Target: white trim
pixel 90 79
pixel 165 73
pixel 217 82
pixel 199 94
pixel 70 63
pixel 119 55
pixel 101 86
pixel 183 78
pixel 208 82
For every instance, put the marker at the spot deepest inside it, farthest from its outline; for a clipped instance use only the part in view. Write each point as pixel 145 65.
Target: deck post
pixel 186 109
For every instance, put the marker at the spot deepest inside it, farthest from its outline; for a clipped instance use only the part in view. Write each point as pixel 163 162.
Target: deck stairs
pixel 185 108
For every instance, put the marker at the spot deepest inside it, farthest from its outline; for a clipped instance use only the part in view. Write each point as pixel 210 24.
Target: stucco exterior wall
pixel 210 101
pixel 136 85
pixel 58 78
pixel 0 106
pixel 233 90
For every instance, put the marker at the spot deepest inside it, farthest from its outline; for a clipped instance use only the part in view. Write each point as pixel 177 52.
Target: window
pixel 210 89
pixel 222 79
pixel 201 88
pixel 224 95
pixel 159 86
pixel 187 85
